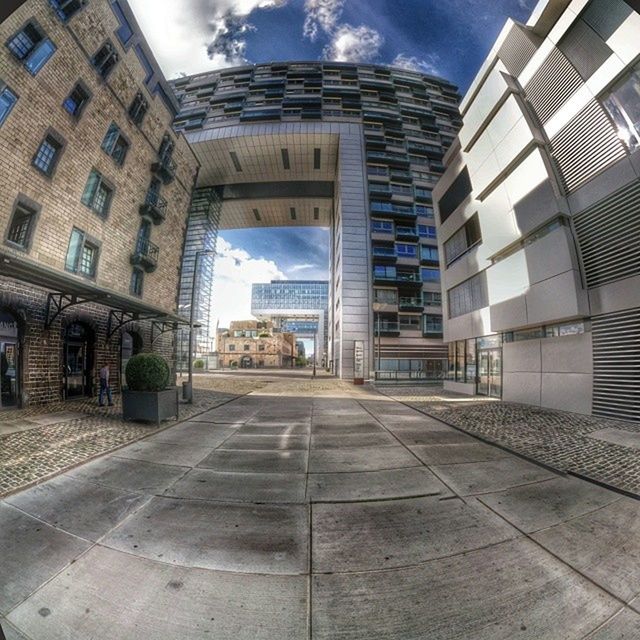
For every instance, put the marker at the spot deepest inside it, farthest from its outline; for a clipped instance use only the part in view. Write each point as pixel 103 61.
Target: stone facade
pixel 252 344
pixel 56 197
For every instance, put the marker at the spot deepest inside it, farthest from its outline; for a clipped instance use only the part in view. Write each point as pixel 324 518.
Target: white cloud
pixel 235 271
pixel 354 44
pixel 192 36
pixel 322 15
pixel 301 267
pixel 424 65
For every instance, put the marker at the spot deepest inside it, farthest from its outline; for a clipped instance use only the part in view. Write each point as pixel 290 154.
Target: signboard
pixel 358 362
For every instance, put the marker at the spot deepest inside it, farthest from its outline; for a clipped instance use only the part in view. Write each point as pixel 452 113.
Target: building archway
pixel 246 362
pixel 79 347
pixel 9 360
pixel 131 343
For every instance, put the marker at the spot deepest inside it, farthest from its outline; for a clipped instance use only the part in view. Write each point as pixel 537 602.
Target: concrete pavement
pixel 326 512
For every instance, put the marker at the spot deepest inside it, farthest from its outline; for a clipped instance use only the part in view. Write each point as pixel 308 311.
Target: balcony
pixel 391 276
pixel 165 169
pixel 410 304
pixel 145 255
pixel 406 233
pixel 388 157
pixel 384 254
pixel 393 210
pixel 386 328
pixel 401 176
pixel 154 207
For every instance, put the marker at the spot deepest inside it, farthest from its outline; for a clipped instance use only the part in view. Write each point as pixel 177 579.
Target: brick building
pixel 94 198
pixel 250 344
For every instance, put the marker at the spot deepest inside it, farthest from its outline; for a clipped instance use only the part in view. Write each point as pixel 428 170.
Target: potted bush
pixel 148 397
pixel 198 364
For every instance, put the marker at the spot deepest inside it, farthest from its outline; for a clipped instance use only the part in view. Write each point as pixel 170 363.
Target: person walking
pixel 104 386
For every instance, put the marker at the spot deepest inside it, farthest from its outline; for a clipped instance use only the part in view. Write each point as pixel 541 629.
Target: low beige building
pixel 250 344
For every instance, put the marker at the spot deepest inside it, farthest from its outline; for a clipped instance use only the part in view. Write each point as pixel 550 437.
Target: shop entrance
pixel 9 361
pixel 490 373
pixel 78 361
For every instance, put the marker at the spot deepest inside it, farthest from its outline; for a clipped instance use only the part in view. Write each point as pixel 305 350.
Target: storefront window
pixel 460 351
pixel 471 361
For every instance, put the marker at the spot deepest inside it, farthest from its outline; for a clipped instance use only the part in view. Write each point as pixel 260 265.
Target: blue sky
pixel 449 38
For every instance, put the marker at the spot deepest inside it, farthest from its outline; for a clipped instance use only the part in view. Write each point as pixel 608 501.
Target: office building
pixel 356 148
pixel 539 214
pixel 94 195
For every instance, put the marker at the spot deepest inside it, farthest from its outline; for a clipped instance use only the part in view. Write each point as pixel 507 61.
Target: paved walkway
pixel 599 449
pixel 318 510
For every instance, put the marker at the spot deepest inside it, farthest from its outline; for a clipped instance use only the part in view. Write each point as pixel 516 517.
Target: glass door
pixel 75 366
pixel 483 373
pixel 490 373
pixel 8 373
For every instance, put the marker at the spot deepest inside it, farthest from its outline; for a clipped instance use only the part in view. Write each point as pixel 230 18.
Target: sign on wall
pixel 358 361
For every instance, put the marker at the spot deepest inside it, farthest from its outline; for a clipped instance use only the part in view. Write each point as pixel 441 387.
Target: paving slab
pixel 457 453
pixel 620 437
pixel 302 429
pixel 240 487
pixel 604 545
pixel 214 535
pixel 360 459
pixel 269 443
pixel 256 461
pixel 82 508
pixel 365 536
pixel 194 434
pixel 545 504
pixel 31 552
pixel 320 428
pixel 625 625
pixel 506 591
pixel 418 435
pixel 374 485
pixel 341 441
pixel 164 453
pixel 493 475
pixel 10 632
pixel 129 475
pixel 108 595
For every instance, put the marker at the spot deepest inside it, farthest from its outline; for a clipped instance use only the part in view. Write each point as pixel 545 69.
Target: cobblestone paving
pixel 29 456
pixel 558 439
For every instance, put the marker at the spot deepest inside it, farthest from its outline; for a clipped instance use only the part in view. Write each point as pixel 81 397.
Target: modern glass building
pixel 356 148
pixel 539 215
pixel 295 306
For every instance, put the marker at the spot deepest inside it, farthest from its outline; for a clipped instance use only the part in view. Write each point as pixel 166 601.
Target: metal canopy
pixel 66 290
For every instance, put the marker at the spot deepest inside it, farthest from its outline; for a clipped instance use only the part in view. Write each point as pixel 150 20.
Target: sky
pixel 448 38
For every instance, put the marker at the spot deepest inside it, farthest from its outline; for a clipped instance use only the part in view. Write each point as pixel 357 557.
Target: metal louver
pixel 609 237
pixel 586 146
pixel 552 85
pixel 517 49
pixel 616 365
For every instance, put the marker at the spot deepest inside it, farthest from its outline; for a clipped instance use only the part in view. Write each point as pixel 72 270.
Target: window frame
pixel 141 105
pixel 5 89
pixel 114 140
pixel 137 276
pixel 26 59
pixel 113 55
pixel 77 260
pixel 58 7
pixel 101 180
pixel 31 207
pixel 78 85
pixel 58 145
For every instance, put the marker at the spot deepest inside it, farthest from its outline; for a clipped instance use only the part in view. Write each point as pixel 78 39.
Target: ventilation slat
pixel 518 48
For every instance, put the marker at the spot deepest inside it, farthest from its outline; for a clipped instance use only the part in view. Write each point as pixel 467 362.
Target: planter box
pixel 150 406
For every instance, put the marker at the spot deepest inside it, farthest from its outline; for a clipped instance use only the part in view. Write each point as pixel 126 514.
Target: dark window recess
pixel 82 255
pixel 66 9
pixel 584 48
pixel 77 100
pixel 463 239
pixel 115 144
pixel 455 195
pixel 32 47
pixel 47 155
pixel 105 59
pixel 468 296
pixel 21 226
pixel 316 158
pixel 247 347
pixel 7 101
pixel 97 194
pixel 285 158
pixel 137 280
pixel 138 109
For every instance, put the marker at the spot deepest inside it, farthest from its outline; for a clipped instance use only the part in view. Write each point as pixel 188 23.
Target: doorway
pixel 490 373
pixel 9 361
pixel 130 346
pixel 78 361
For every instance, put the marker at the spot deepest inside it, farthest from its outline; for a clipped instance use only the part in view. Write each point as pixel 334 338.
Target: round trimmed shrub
pixel 147 372
pixel 198 364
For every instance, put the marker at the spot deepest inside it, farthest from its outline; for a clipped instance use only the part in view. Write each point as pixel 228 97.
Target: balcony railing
pixel 155 207
pixel 406 232
pixel 384 252
pixel 145 255
pixel 410 304
pixel 165 167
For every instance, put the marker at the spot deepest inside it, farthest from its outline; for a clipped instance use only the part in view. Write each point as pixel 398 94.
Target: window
pixel 137 279
pixel 432 324
pixel 623 104
pixel 115 144
pixel 77 100
pixel 385 296
pixel 124 31
pixel 105 59
pixel 47 155
pixel 466 237
pixel 406 250
pixel 426 212
pixel 247 347
pixel 82 255
pixel 232 347
pixel 428 254
pixel 584 48
pixel 426 231
pixel 381 226
pixel 21 226
pixel 432 298
pixel 430 275
pixel 468 296
pixel 138 108
pixel 32 47
pixel 66 9
pixel 384 272
pixel 454 196
pixel 260 347
pixel 7 101
pixel 97 194
pixel 409 323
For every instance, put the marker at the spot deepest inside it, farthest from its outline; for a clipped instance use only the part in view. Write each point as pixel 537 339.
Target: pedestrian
pixel 104 386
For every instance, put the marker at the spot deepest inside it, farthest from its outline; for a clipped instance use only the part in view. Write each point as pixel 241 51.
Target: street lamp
pixel 187 392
